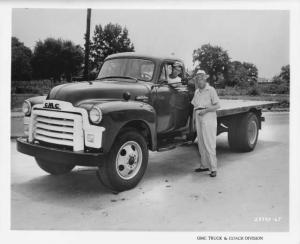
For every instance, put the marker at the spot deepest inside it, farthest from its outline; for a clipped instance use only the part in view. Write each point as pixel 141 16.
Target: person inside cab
pixel 175 73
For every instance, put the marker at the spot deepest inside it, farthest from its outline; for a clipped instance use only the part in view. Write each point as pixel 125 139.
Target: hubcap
pixel 252 132
pixel 129 160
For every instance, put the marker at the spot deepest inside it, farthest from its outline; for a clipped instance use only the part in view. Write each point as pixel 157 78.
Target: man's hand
pixel 202 112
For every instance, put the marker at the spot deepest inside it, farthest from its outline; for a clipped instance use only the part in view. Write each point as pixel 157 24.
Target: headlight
pixel 26 108
pixel 95 115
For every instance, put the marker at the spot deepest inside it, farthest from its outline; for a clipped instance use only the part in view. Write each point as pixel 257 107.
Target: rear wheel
pixel 126 162
pixel 54 168
pixel 243 133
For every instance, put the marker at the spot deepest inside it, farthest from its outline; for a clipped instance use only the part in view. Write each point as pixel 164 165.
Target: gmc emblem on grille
pixel 51 105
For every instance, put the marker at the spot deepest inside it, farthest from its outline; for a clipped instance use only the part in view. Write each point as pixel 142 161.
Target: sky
pixel 257 36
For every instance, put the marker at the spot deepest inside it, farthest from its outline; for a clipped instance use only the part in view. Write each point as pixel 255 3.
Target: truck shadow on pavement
pixel 81 182
pixel 81 185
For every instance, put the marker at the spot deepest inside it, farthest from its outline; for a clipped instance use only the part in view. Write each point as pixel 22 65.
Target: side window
pixel 171 73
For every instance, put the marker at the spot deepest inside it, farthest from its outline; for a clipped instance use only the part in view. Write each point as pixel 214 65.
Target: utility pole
pixel 87 44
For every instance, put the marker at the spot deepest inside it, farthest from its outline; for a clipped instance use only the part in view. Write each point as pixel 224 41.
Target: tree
pixel 234 73
pixel 108 40
pixel 20 60
pixel 284 76
pixel 72 59
pixel 241 74
pixel 54 58
pixel 252 73
pixel 213 60
pixel 285 73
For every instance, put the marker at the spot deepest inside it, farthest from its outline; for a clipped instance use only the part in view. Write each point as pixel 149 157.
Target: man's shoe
pixel 213 174
pixel 201 170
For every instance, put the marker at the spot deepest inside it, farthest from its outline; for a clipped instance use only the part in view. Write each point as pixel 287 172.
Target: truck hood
pixel 101 91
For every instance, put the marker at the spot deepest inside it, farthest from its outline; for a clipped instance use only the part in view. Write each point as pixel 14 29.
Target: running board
pixel 172 146
pixel 163 149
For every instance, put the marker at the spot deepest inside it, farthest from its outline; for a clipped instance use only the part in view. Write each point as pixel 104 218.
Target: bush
pixel 275 88
pixel 240 91
pixel 26 90
pixel 231 91
pixel 34 86
pixel 254 91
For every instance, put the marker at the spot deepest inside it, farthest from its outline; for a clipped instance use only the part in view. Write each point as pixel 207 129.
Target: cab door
pixel 171 102
pixel 161 102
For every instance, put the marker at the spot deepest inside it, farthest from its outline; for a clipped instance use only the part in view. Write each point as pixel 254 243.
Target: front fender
pixel 116 114
pixel 36 100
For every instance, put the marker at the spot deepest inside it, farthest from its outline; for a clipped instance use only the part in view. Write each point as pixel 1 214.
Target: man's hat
pixel 177 66
pixel 202 73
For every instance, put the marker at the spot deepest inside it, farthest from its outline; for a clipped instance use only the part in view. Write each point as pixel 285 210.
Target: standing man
pixel 206 102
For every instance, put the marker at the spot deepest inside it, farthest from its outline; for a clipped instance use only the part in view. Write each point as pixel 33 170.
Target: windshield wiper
pixel 126 77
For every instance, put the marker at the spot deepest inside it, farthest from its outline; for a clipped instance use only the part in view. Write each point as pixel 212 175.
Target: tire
pixel 243 133
pixel 126 163
pixel 232 135
pixel 54 168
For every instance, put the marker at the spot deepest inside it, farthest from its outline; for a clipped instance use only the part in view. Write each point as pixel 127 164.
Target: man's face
pixel 176 71
pixel 201 81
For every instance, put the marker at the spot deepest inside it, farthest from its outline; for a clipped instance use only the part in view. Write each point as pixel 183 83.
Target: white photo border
pixel 45 237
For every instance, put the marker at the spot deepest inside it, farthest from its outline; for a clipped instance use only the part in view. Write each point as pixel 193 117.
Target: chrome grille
pixel 59 128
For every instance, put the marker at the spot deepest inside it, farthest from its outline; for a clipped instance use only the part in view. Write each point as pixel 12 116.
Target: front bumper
pixel 59 155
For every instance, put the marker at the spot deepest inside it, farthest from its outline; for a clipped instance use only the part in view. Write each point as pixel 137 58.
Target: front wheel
pixel 54 168
pixel 126 162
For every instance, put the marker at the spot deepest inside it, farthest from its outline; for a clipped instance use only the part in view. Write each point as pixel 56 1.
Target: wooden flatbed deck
pixel 231 107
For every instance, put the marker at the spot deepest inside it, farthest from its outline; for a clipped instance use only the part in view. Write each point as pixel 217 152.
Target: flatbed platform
pixel 231 107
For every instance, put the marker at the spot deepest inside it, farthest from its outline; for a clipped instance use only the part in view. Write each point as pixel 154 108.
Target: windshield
pixel 140 69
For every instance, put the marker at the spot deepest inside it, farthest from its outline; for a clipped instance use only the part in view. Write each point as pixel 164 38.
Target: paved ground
pixel 170 197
